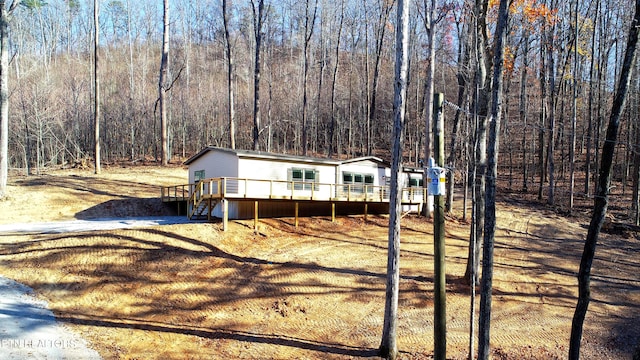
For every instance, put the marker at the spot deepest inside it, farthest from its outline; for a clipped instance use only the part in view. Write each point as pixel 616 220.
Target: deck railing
pixel 239 188
pixel 176 192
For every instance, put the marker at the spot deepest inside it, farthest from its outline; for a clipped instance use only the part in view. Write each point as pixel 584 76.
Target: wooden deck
pixel 203 196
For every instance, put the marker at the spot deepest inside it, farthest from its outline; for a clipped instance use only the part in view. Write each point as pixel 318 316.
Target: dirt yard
pixel 312 292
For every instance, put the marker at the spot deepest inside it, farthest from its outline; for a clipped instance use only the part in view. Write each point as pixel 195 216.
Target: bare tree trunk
pixel 492 172
pixel 481 109
pixel 636 156
pixel 551 101
pixel 333 148
pixel 162 91
pixel 231 110
pixel 574 118
pixel 523 110
pixel 309 25
pixel 601 200
pixel 462 78
pixel 429 25
pixel 96 84
pixel 5 14
pixel 388 345
pixel 258 19
pixel 543 116
pixel 381 30
pixel 587 178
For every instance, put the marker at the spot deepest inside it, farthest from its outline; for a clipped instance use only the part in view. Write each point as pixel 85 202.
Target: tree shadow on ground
pixel 229 334
pixel 148 261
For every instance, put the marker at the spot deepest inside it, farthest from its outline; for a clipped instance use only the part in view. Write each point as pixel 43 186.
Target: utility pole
pixel 440 297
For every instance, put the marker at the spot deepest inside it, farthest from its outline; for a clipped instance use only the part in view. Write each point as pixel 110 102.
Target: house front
pixel 245 176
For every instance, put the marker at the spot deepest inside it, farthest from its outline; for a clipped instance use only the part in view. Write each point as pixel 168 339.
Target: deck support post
pixel 225 214
pixel 366 211
pixel 333 212
pixel 255 216
pixel 209 210
pixel 296 214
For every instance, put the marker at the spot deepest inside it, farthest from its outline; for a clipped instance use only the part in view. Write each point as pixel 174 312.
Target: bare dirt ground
pixel 191 291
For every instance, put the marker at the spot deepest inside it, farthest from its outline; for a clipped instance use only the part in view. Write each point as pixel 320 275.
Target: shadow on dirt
pixel 145 266
pixel 129 207
pixel 242 336
pixel 93 185
pixel 146 260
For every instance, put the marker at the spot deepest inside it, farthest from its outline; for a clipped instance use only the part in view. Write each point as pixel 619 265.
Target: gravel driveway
pixel 28 329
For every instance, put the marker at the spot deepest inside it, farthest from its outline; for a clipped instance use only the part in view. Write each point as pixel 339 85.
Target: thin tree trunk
pixel 552 115
pixel 162 91
pixel 4 95
pixel 492 172
pixel 636 157
pixel 382 26
pixel 309 25
pixel 601 200
pixel 230 94
pixel 388 345
pixel 574 118
pixel 481 107
pixel 590 143
pixel 543 117
pixel 258 17
pixel 461 77
pixel 333 148
pixel 96 84
pixel 523 110
pixel 430 23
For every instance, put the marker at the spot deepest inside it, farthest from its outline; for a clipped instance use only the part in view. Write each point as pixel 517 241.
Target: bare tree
pixel 381 27
pixel 550 37
pixel 96 84
pixel 429 25
pixel 5 15
pixel 333 144
pixel 481 94
pixel 231 111
pixel 492 174
pixel 462 76
pixel 388 345
pixel 601 200
pixel 162 88
pixel 574 117
pixel 259 15
pixel 309 26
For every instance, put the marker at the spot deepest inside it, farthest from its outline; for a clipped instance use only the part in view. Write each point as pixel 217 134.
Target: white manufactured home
pixel 241 184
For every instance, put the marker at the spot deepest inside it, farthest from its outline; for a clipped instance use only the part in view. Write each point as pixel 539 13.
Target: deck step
pixel 202 209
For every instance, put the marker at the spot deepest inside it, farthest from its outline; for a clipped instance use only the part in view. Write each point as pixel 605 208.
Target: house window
pixel 358 182
pixel 198 175
pixel 303 178
pixel 416 182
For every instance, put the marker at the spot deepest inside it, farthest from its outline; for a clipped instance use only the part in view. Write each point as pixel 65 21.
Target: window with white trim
pixel 416 182
pixel 303 178
pixel 358 182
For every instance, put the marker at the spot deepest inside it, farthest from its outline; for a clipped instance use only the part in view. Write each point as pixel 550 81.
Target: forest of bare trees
pixel 325 75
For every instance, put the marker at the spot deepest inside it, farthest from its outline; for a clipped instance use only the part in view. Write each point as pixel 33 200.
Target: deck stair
pixel 201 204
